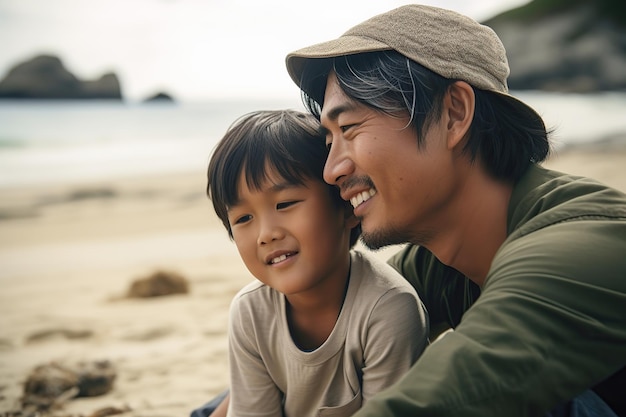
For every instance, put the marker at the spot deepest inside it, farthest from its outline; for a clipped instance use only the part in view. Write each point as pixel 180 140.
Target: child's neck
pixel 312 319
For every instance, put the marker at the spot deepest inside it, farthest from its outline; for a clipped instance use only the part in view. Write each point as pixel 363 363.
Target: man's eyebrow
pixel 334 112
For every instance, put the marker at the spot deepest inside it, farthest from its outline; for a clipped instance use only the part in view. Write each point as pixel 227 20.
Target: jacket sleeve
pixel 549 324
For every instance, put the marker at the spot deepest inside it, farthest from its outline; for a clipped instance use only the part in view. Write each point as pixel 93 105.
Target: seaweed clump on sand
pixel 50 385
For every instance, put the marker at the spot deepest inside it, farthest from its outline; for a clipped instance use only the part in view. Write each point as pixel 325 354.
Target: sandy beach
pixel 69 253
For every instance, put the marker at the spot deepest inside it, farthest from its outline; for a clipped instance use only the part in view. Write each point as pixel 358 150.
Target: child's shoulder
pixel 372 271
pixel 255 304
pixel 255 293
pixel 377 289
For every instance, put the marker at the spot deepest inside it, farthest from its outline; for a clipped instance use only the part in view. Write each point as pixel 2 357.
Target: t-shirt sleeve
pixel 397 333
pixel 253 393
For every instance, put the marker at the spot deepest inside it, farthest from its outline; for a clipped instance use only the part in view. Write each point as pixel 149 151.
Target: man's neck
pixel 477 223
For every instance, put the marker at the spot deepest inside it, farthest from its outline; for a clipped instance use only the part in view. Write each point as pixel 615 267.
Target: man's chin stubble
pixel 378 239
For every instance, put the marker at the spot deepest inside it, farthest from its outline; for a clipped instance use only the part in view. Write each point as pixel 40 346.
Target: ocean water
pixel 80 142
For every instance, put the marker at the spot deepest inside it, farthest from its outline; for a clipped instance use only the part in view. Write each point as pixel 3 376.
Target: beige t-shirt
pixel 380 332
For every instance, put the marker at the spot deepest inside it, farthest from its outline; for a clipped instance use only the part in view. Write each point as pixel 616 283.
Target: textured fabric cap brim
pixel 446 42
pixel 355 45
pixel 345 45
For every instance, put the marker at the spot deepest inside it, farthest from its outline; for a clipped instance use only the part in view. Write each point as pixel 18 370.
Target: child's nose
pixel 270 231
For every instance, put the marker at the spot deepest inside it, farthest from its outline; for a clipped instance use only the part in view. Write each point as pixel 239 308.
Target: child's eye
pixel 242 219
pixel 285 204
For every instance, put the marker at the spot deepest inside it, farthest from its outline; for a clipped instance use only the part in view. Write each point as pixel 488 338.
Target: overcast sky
pixel 192 49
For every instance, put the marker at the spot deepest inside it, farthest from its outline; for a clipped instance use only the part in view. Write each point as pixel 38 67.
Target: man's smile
pixel 361 197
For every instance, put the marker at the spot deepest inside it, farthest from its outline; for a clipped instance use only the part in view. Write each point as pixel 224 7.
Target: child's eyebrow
pixel 274 188
pixel 282 186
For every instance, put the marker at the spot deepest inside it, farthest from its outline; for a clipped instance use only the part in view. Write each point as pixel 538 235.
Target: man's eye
pixel 285 204
pixel 345 128
pixel 243 219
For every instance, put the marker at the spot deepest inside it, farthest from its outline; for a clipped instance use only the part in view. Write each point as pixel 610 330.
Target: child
pixel 324 328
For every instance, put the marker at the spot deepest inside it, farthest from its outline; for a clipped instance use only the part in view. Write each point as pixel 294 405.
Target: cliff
pixel 565 45
pixel 45 77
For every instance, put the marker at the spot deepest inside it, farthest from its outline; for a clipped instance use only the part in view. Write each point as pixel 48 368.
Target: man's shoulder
pixel 566 227
pixel 544 197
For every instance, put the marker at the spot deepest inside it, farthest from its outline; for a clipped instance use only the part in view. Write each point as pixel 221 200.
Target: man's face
pixel 399 191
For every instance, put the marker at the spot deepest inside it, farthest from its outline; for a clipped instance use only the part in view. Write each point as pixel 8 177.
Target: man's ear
pixel 459 104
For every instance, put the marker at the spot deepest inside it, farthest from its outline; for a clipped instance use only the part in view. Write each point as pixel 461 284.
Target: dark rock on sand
pixel 94 378
pixel 158 284
pixel 50 385
pixel 45 77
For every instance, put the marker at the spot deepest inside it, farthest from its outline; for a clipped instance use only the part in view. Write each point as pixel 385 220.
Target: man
pixel 527 265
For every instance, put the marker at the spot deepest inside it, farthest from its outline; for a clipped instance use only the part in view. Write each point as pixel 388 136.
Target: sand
pixel 69 253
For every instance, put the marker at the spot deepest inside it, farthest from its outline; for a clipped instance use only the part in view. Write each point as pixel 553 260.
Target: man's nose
pixel 338 164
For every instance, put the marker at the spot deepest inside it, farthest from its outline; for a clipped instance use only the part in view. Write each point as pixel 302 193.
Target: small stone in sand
pixel 158 284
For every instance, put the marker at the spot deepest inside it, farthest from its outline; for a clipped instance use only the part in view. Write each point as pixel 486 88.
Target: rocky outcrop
pixel 159 97
pixel 573 46
pixel 45 77
pixel 106 87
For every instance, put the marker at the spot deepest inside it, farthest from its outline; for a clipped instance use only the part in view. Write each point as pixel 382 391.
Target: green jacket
pixel 550 321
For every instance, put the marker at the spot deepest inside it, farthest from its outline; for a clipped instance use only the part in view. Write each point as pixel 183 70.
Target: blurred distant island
pixel 553 45
pixel 45 77
pixel 159 98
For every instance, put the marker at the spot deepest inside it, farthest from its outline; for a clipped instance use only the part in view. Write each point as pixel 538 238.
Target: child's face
pixel 291 237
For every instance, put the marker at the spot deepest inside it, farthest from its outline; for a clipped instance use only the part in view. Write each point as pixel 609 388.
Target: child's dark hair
pixel 289 141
